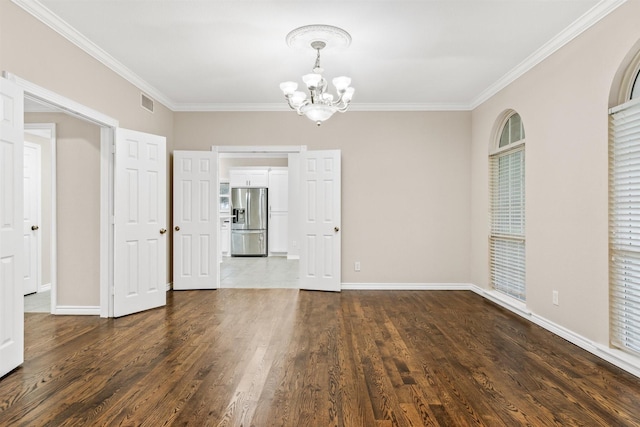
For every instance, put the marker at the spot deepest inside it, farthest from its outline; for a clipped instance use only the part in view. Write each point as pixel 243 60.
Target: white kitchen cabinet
pixel 225 235
pixel 278 210
pixel 278 190
pixel 249 178
pixel 278 232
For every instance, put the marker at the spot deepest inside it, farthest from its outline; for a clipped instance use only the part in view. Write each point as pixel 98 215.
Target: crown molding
pixel 590 18
pixel 47 17
pixel 204 107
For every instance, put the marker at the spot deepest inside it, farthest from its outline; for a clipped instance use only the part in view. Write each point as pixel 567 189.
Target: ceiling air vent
pixel 146 102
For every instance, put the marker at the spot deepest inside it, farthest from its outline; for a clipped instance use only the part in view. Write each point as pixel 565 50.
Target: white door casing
pixel 320 192
pixel 11 220
pixel 32 217
pixel 140 222
pixel 195 220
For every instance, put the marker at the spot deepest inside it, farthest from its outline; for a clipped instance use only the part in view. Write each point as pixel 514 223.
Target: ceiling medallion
pixel 301 38
pixel 320 104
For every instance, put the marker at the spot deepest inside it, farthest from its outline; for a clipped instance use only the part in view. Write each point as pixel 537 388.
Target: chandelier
pixel 320 104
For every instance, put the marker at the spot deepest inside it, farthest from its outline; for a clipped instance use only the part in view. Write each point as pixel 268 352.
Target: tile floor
pixel 260 272
pixel 38 303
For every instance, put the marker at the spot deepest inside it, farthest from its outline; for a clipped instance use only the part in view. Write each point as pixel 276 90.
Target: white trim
pixel 107 251
pixel 65 104
pixel 78 310
pixel 616 357
pixel 258 150
pixel 45 288
pixel 169 286
pixel 586 21
pixel 406 286
pixel 44 15
pixel 509 147
pixel 293 257
pixel 502 300
pixel 283 107
pixel 624 106
pixel 106 181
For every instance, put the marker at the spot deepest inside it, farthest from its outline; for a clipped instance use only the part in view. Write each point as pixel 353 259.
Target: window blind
pixel 624 227
pixel 507 239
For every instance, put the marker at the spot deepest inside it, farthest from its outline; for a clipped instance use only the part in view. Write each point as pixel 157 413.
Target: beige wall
pixel 405 184
pixel 563 103
pixel 32 51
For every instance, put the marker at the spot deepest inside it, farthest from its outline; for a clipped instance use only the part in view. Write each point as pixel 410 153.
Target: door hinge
pixel 113 219
pixel 113 148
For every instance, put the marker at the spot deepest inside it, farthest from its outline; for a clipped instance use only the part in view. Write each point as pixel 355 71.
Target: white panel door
pixel 320 220
pixel 140 222
pixel 195 220
pixel 11 245
pixel 31 212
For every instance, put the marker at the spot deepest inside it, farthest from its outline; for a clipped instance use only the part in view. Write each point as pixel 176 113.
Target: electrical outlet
pixel 555 298
pixel 356 266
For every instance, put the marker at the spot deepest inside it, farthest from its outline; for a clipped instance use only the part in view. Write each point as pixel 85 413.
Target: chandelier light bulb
pixel 348 94
pixel 312 80
pixel 341 83
pixel 327 97
pixel 288 88
pixel 298 98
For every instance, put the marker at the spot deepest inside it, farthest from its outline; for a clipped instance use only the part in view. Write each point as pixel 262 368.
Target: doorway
pixel 104 127
pixel 40 222
pixel 279 269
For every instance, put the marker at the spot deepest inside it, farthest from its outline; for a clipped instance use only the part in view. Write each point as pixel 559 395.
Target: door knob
pixel 163 230
pixel 177 228
pixel 35 227
pixel 336 229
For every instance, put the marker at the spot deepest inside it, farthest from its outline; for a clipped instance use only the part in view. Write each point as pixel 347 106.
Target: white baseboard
pixel 616 357
pixel 44 288
pixel 169 286
pixel 293 256
pixel 73 310
pixel 406 286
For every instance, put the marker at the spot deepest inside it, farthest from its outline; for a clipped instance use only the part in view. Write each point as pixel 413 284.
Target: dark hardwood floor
pixel 279 357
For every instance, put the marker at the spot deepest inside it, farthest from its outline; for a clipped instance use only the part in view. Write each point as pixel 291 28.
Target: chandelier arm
pixel 298 109
pixel 288 98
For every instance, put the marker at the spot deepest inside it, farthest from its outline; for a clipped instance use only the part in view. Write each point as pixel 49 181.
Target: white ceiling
pixel 405 55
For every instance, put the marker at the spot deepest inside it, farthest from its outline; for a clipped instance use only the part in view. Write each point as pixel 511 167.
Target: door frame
pixel 256 151
pixel 107 137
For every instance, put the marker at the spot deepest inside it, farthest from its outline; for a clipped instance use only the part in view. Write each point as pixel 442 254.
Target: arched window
pixel 507 238
pixel 624 220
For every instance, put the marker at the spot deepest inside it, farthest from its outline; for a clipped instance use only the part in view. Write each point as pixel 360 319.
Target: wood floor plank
pixel 281 357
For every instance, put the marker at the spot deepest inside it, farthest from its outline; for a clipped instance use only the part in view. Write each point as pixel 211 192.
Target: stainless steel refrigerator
pixel 249 222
